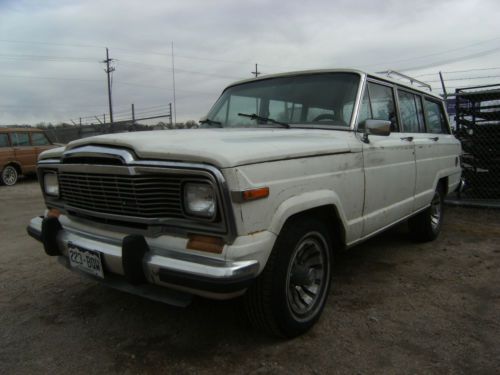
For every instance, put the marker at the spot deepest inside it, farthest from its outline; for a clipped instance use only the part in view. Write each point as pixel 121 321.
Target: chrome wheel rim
pixel 436 207
pixel 307 277
pixel 9 176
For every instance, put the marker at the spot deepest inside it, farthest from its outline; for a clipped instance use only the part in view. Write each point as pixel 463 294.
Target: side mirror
pixel 376 127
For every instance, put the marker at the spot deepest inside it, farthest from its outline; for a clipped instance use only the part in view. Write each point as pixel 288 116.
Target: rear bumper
pixel 137 261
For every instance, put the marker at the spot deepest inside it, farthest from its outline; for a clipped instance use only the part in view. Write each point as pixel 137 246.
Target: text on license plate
pixel 86 260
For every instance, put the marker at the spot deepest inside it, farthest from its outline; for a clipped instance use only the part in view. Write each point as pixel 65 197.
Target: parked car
pixel 287 170
pixel 19 150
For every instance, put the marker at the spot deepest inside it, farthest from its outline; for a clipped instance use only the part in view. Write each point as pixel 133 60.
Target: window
pixel 284 111
pixel 316 99
pixel 436 122
pixel 382 104
pixel 410 107
pixel 319 115
pixel 365 111
pixel 4 140
pixel 20 139
pixel 39 139
pixel 242 104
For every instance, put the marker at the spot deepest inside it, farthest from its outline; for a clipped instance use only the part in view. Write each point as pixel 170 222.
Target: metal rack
pixel 392 73
pixel 478 128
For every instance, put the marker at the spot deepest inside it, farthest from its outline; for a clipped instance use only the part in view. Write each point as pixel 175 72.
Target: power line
pixel 466 78
pixel 458 71
pixel 434 54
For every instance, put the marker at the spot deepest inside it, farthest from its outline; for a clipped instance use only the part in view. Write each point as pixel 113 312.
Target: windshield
pixel 316 99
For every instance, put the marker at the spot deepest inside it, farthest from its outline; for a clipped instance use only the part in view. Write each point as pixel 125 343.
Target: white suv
pixel 285 171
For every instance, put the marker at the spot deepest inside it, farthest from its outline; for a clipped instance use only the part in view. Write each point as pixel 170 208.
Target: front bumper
pixel 131 263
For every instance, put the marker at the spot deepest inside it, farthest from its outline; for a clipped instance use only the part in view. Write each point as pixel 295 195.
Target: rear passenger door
pixel 389 163
pixel 25 154
pixel 436 151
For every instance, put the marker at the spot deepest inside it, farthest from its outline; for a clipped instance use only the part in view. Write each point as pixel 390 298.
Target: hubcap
pixel 436 211
pixel 308 274
pixel 9 176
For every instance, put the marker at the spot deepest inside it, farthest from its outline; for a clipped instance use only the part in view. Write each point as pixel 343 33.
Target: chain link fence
pixel 477 121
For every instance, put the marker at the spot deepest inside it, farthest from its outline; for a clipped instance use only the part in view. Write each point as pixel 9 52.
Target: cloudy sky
pixel 50 51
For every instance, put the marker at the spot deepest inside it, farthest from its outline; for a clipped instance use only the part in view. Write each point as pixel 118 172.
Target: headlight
pixel 51 184
pixel 199 200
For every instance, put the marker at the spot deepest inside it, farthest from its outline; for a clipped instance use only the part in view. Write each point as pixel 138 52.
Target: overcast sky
pixel 50 51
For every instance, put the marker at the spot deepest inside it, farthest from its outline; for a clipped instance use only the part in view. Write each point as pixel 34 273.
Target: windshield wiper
pixel 253 116
pixel 210 122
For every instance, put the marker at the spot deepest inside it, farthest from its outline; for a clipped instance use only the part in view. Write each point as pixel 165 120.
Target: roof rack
pixel 390 73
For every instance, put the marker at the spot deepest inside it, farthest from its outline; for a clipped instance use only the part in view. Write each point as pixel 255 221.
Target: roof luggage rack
pixel 390 73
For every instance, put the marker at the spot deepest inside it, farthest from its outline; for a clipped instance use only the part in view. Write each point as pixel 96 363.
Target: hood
pixel 226 148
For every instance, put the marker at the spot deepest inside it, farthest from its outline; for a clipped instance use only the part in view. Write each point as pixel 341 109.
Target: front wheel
pixel 290 294
pixel 9 175
pixel 426 225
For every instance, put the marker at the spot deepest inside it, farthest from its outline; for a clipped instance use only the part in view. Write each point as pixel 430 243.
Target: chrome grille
pixel 145 196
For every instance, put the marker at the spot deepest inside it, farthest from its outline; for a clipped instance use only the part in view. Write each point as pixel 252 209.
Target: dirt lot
pixel 395 307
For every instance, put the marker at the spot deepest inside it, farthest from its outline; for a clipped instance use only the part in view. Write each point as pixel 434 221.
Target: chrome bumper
pixel 186 272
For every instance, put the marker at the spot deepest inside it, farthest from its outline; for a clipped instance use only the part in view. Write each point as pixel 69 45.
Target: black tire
pixel 290 294
pixel 426 225
pixel 9 175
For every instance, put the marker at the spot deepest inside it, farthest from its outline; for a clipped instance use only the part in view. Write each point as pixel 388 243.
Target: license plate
pixel 85 260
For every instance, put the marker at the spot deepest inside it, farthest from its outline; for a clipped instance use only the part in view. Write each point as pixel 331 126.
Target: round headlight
pixel 199 200
pixel 51 184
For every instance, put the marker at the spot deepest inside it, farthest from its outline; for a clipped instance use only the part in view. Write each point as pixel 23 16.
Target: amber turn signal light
pixel 250 195
pixel 205 243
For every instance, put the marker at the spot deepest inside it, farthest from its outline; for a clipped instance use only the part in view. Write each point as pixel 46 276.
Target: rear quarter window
pixel 436 121
pixel 4 140
pixel 39 139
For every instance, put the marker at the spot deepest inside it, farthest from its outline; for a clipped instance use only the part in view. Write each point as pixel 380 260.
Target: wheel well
pixel 330 216
pixel 15 165
pixel 443 182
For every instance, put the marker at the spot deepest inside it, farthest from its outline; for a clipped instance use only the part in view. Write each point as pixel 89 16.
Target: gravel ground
pixel 395 307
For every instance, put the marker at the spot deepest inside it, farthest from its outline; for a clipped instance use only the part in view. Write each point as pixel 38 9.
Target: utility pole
pixel 170 112
pixel 109 70
pixel 133 116
pixel 173 83
pixel 104 117
pixel 256 73
pixel 445 94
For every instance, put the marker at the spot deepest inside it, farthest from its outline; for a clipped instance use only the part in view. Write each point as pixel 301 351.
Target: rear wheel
pixel 9 175
pixel 426 225
pixel 290 294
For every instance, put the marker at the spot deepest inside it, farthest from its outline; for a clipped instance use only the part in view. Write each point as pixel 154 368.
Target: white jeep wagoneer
pixel 285 171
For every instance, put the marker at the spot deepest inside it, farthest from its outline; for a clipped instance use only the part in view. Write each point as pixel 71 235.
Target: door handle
pixel 435 139
pixel 409 139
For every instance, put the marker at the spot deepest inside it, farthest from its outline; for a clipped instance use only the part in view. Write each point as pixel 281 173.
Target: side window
pixel 410 106
pixel 39 139
pixel 365 111
pixel 4 140
pixel 20 139
pixel 436 122
pixel 382 102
